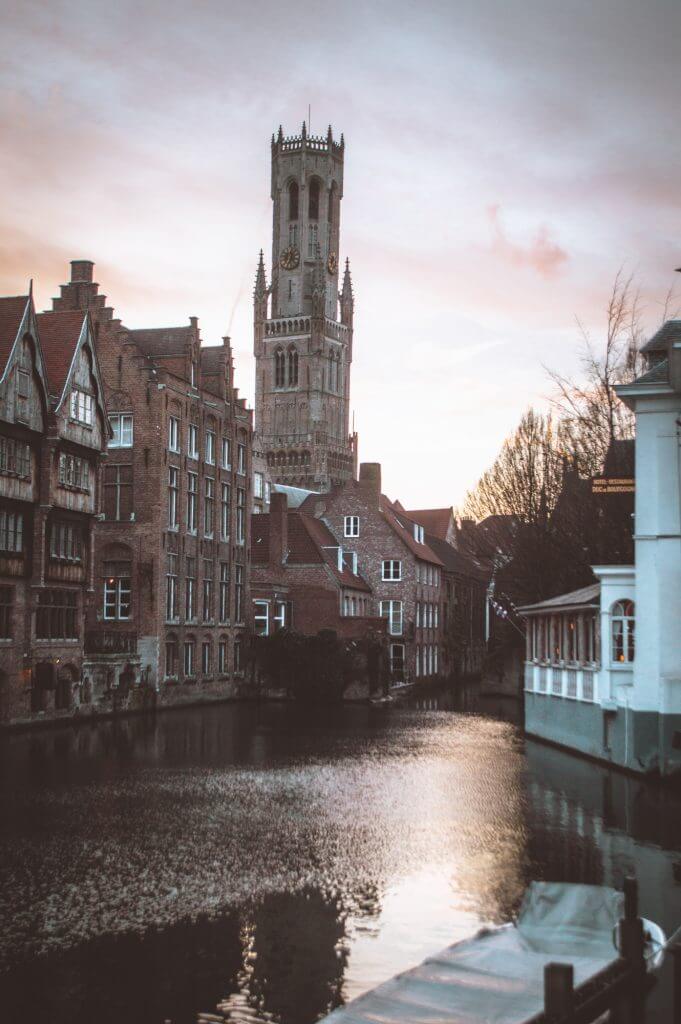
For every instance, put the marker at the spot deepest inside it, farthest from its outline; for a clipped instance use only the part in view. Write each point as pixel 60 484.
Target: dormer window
pixel 419 534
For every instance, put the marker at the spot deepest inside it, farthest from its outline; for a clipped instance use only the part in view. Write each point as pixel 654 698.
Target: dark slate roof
pixel 657 374
pixel 402 525
pixel 456 561
pixel 670 331
pixel 586 597
pixel 435 521
pixel 12 309
pixel 59 335
pixel 163 341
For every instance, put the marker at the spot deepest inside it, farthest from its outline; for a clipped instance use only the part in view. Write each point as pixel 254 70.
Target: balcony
pixel 109 641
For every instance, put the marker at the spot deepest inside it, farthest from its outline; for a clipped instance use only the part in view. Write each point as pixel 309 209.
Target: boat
pixel 497 975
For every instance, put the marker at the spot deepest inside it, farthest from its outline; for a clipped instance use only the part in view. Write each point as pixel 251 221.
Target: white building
pixel 603 664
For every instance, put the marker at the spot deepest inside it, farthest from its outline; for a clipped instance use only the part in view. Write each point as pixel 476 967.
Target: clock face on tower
pixel 332 263
pixel 290 258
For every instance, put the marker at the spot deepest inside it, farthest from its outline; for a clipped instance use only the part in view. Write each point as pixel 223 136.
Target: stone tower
pixel 303 349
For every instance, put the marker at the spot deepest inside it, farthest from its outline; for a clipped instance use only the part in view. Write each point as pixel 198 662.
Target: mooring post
pixel 675 950
pixel 632 949
pixel 559 990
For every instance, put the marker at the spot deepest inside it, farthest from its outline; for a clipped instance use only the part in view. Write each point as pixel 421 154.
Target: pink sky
pixel 503 160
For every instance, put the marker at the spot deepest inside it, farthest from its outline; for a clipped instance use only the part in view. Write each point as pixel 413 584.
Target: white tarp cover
pixel 497 976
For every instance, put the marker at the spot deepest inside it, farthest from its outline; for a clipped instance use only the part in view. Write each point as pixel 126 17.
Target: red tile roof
pixel 59 335
pixel 403 527
pixel 435 521
pixel 310 542
pixel 12 309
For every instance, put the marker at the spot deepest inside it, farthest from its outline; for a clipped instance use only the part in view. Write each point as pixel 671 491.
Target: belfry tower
pixel 303 350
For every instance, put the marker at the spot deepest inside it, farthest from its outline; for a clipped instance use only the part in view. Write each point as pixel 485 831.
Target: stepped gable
pixel 59 334
pixel 158 342
pixel 12 309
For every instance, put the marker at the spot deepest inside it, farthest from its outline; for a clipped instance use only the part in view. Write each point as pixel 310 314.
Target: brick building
pixel 404 574
pixel 303 349
pixel 171 559
pixel 53 430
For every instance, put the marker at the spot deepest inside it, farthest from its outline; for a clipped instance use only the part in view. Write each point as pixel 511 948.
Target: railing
pixel 574 682
pixel 110 642
pixel 287 325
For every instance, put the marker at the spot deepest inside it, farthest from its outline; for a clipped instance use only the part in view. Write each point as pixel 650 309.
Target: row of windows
pixel 354 605
pixel 573 638
pixel 285 367
pixel 207 591
pixel 268 617
pixel 313 196
pixel 427 615
pixel 15 458
pixel 65 543
pixel 189 653
pixel 210 446
pixel 426 660
pixel 209 506
pixel 56 614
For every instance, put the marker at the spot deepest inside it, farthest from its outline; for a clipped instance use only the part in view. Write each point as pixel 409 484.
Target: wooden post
pixel 559 993
pixel 632 949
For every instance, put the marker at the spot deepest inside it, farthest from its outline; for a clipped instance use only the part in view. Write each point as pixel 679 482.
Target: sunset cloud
pixel 541 253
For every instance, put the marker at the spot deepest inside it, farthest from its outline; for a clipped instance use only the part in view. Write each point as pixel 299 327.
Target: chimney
pixel 370 479
pixel 278 528
pixel 81 271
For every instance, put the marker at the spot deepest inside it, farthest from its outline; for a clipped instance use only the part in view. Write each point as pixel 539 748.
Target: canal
pixel 276 861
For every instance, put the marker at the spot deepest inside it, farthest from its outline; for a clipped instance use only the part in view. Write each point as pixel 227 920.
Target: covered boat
pixel 497 976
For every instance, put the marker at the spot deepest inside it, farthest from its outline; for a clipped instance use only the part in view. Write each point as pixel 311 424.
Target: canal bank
pixel 284 860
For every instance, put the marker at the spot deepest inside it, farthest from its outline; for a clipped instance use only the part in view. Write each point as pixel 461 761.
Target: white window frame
pixel 241 459
pixel 122 425
pixel 192 502
pixel 392 570
pixel 206 662
pixel 173 434
pixel 393 612
pixel 209 454
pixel 261 616
pixel 419 533
pixel 351 526
pixel 173 498
pixel 115 594
pixel 226 453
pixel 258 485
pixel 188 658
pixel 279 616
pixel 193 441
pixel 82 407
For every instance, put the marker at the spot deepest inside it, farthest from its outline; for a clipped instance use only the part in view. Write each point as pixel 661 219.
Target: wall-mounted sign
pixel 613 485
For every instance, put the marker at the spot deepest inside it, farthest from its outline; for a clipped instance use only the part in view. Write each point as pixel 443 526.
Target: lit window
pixel 82 407
pixel 392 569
pixel 623 632
pixel 174 434
pixel 351 526
pixel 117 594
pixel 121 425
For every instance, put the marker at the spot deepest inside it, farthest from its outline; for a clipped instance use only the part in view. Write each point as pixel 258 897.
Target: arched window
pixel 622 617
pixel 313 208
pixel 331 212
pixel 279 368
pixel 293 201
pixel 292 366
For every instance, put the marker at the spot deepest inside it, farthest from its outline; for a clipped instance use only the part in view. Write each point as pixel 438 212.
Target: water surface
pixel 276 861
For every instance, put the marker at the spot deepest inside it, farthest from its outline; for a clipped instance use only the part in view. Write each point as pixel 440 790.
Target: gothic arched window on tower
pixel 292 366
pixel 279 368
pixel 313 209
pixel 293 201
pixel 332 203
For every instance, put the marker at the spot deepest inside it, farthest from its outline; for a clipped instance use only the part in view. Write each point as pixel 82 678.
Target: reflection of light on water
pixel 419 915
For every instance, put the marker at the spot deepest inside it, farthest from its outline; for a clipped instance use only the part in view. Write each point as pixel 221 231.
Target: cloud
pixel 542 254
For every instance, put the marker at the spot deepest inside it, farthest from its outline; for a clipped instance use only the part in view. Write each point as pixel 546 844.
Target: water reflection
pixel 273 862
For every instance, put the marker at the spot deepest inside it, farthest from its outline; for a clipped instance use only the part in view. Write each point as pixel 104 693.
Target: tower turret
pixel 303 351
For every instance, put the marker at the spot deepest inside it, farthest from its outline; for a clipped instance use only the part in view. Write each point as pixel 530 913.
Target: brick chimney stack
pixel 370 479
pixel 81 271
pixel 278 528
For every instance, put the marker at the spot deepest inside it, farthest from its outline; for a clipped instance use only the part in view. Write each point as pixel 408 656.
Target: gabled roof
pixel 403 526
pixel 163 341
pixel 435 521
pixel 59 336
pixel 669 332
pixel 295 496
pixel 454 560
pixel 310 542
pixel 586 597
pixel 657 374
pixel 12 311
